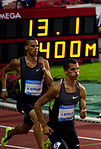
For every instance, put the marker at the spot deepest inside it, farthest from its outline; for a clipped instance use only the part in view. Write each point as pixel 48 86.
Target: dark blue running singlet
pixel 31 79
pixel 63 107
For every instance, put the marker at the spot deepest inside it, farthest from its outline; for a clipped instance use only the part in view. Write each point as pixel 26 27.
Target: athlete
pixel 63 97
pixel 31 69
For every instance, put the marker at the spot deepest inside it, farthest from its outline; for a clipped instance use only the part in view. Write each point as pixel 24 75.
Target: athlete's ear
pixel 25 47
pixel 65 71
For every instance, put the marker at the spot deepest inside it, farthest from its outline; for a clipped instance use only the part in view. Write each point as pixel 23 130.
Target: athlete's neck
pixel 31 59
pixel 70 82
pixel 31 62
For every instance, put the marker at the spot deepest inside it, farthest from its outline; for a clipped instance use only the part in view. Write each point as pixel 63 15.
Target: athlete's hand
pixel 4 95
pixel 42 62
pixel 47 130
pixel 83 113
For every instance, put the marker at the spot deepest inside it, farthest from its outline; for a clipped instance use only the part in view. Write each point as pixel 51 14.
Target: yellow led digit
pixel 92 47
pixel 72 43
pixel 47 50
pixel 45 27
pixel 77 25
pixel 57 43
pixel 30 27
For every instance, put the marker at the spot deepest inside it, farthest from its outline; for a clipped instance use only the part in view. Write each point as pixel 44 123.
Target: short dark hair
pixel 67 62
pixel 28 39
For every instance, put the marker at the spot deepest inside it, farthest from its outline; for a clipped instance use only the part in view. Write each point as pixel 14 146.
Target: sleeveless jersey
pixel 62 110
pixel 31 79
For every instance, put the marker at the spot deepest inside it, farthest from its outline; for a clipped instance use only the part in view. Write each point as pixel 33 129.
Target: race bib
pixel 66 113
pixel 33 87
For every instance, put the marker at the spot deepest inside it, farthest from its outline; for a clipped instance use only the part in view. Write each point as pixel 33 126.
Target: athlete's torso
pixel 31 79
pixel 63 107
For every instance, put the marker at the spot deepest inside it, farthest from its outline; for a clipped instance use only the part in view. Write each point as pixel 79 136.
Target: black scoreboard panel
pixel 72 33
pixel 50 27
pixel 53 50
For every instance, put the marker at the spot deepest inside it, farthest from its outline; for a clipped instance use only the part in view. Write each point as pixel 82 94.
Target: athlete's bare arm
pixel 82 103
pixel 13 65
pixel 50 94
pixel 46 70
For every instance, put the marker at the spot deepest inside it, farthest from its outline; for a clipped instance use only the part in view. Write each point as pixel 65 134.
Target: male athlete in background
pixel 31 69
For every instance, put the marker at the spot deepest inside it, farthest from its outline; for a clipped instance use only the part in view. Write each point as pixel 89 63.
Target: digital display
pixel 61 49
pixel 50 27
pixel 72 33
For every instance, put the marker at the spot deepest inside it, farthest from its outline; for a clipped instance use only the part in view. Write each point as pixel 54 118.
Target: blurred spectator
pixel 99 23
pixel 20 4
pixel 0 4
pixel 31 3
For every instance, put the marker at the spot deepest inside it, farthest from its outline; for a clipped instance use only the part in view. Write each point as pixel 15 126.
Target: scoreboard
pixel 62 32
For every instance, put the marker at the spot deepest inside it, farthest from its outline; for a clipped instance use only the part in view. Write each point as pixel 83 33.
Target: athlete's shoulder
pixel 82 89
pixel 14 64
pixel 81 86
pixel 56 85
pixel 15 61
pixel 54 89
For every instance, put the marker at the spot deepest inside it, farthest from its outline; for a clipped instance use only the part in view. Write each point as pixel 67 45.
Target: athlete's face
pixel 32 48
pixel 73 71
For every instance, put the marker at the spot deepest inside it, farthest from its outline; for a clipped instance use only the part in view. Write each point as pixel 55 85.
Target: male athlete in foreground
pixel 63 97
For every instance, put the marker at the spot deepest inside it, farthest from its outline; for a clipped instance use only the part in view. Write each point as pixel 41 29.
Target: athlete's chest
pixel 32 73
pixel 69 98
